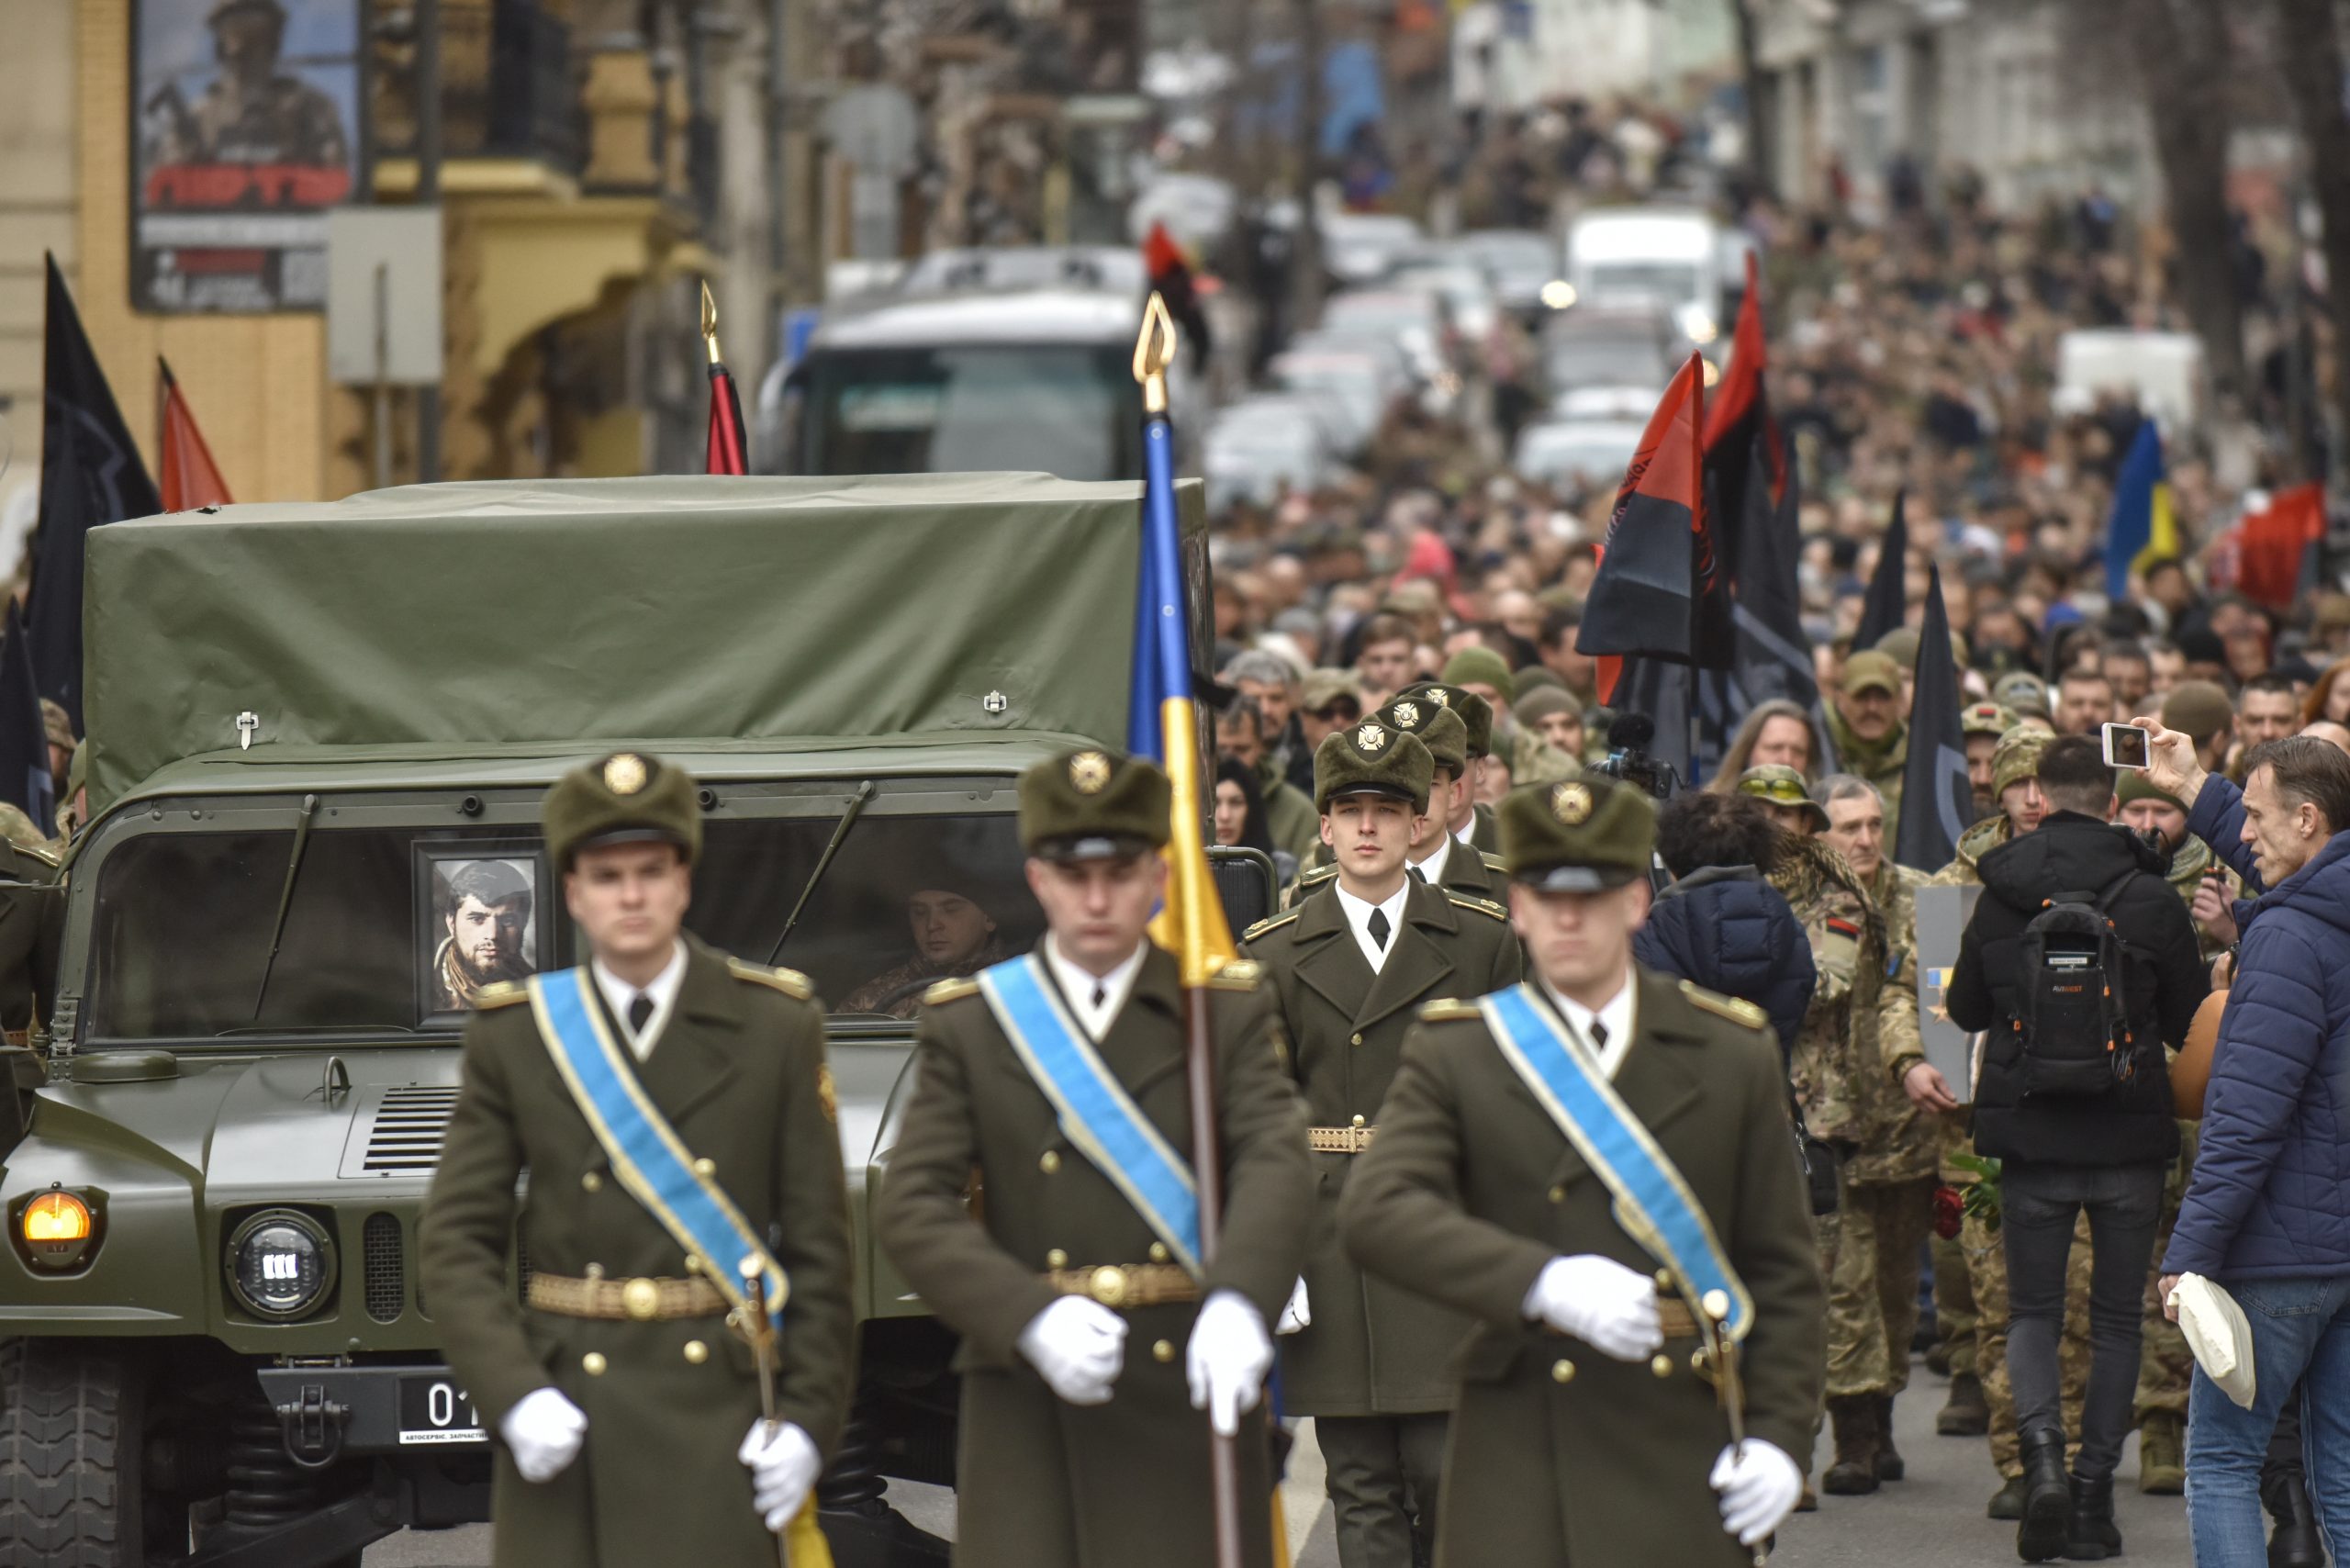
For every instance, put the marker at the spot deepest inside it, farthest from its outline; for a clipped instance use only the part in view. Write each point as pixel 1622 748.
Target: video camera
pixel 1628 761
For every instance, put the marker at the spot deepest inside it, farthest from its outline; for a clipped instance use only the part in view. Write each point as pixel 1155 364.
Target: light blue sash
pixel 643 1148
pixel 1094 1109
pixel 1653 1203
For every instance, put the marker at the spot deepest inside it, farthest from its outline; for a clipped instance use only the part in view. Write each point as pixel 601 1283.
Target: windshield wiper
pixel 856 809
pixel 286 898
pixel 313 1029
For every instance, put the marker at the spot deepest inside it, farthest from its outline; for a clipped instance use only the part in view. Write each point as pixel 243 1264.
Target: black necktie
pixel 1599 1035
pixel 1417 875
pixel 1100 995
pixel 1378 929
pixel 640 1012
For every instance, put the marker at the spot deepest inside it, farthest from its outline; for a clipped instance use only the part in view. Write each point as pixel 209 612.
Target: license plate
pixel 435 1410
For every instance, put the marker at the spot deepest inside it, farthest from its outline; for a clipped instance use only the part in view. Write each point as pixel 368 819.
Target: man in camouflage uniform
pixel 251 113
pixel 1866 724
pixel 2016 783
pixel 1888 1184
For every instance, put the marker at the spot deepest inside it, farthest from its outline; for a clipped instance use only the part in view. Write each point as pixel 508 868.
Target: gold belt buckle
pixel 641 1299
pixel 1108 1285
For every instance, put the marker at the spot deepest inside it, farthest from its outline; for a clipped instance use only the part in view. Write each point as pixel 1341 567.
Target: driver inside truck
pixel 954 936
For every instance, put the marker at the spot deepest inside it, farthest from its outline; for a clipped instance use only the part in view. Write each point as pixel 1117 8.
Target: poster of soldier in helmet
pixel 246 123
pixel 479 922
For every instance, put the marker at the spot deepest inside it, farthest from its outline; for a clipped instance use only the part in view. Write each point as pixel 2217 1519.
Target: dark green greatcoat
pixel 1043 1483
pixel 739 1073
pixel 1371 1348
pixel 1561 1458
pixel 1485 833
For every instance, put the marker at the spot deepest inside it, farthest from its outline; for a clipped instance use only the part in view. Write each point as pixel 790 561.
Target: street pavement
pixel 1935 1517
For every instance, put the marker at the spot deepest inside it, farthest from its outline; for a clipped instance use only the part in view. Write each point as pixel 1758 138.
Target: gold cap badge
pixel 1571 803
pixel 1370 737
pixel 624 774
pixel 1439 695
pixel 1407 714
pixel 1088 772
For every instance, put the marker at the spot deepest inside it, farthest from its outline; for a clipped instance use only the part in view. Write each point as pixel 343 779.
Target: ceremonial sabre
pixel 1714 1317
pixel 760 1332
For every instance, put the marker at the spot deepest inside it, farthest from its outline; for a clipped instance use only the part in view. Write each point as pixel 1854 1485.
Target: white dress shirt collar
pixel 1431 869
pixel 1615 1016
pixel 662 988
pixel 1358 913
pixel 1078 986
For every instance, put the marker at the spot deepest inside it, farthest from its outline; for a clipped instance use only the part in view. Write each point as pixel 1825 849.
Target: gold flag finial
pixel 710 322
pixel 1154 351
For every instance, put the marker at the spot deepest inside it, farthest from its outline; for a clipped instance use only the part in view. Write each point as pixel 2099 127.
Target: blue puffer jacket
pixel 2268 1198
pixel 1726 929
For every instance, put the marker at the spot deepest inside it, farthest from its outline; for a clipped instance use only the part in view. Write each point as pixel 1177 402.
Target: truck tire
pixel 69 1458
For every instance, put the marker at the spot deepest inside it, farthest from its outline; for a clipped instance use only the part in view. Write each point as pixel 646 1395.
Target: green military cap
pixel 2021 691
pixel 1580 837
pixel 1543 701
pixel 1439 727
pixel 1474 711
pixel 626 797
pixel 1483 665
pixel 1323 687
pixel 2018 756
pixel 1094 805
pixel 1372 758
pixel 2198 708
pixel 2136 785
pixel 1871 670
pixel 1900 645
pixel 1780 785
pixel 1986 719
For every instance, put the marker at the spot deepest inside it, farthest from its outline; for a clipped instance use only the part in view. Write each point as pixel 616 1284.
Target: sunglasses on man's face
pixel 1785 792
pixel 1336 713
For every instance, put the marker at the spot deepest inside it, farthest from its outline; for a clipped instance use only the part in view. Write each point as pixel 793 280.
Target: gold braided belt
pixel 1127 1285
pixel 638 1300
pixel 1338 1140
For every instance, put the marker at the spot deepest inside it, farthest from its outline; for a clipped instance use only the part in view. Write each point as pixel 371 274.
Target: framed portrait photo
pixel 481 919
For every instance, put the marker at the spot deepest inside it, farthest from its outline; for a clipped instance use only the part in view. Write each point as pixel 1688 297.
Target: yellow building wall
pixel 256 383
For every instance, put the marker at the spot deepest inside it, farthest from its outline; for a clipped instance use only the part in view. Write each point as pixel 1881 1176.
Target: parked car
pixel 1525 267
pixel 1357 382
pixel 1259 446
pixel 1579 453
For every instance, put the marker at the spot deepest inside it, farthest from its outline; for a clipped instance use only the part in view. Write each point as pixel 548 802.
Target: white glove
pixel 784 1465
pixel 1078 1346
pixel 543 1431
pixel 1600 1301
pixel 1760 1486
pixel 1297 1315
pixel 1229 1356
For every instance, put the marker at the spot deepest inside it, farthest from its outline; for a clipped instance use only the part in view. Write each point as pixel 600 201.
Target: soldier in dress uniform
pixel 1472 821
pixel 1041 1199
pixel 1435 854
pixel 1350 965
pixel 1544 1157
pixel 633 1343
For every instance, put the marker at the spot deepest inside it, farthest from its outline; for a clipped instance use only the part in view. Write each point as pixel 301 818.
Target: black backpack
pixel 2075 977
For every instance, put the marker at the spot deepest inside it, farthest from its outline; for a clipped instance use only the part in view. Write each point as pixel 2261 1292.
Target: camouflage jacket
pixel 1848 946
pixel 2189 863
pixel 1902 1143
pixel 1881 763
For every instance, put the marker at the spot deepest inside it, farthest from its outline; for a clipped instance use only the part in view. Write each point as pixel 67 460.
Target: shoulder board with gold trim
pixel 1493 861
pixel 950 990
pixel 1449 1012
pixel 1729 1007
pixel 503 993
pixel 1268 924
pixel 39 852
pixel 1238 974
pixel 792 982
pixel 1314 876
pixel 1483 906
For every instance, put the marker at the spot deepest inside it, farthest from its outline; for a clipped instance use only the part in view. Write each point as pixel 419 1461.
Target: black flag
pixel 25 778
pixel 1887 603
pixel 90 474
pixel 1937 802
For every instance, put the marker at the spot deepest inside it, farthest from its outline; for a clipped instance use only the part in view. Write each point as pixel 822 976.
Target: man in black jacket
pixel 2101 1147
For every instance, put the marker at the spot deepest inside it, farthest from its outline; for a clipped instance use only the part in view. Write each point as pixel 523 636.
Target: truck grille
pixel 386 1267
pixel 409 1126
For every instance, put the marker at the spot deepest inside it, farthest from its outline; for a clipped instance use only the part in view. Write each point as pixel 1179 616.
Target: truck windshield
pixel 394 931
pixel 1066 410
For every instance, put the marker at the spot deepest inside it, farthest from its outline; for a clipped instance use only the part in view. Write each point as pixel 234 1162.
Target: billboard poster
pixel 246 127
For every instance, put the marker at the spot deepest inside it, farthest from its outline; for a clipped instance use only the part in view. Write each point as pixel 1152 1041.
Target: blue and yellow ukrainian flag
pixel 2142 527
pixel 1162 724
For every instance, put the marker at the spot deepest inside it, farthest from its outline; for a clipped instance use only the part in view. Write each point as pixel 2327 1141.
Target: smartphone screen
pixel 2126 746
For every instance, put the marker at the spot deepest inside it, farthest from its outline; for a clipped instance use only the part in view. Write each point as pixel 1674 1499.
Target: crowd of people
pixel 2059 1185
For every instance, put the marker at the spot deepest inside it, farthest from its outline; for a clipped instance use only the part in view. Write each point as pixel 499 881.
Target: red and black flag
pixel 730 447
pixel 1743 447
pixel 90 475
pixel 1887 604
pixel 1171 278
pixel 190 477
pixel 1662 590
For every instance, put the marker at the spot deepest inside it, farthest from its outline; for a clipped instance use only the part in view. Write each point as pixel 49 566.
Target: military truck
pixel 320 735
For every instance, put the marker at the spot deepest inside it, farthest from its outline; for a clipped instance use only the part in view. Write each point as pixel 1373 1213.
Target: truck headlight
pixel 281 1264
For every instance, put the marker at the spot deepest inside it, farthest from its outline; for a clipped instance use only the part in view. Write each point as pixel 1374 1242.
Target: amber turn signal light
pixel 56 1228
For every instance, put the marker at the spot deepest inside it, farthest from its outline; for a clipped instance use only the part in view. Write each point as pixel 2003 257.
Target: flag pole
pixel 1698 532
pixel 1154 351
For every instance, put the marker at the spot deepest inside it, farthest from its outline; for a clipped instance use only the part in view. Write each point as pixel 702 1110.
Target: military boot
pixel 2294 1542
pixel 2090 1534
pixel 1853 1417
pixel 2162 1456
pixel 1966 1414
pixel 2048 1499
pixel 1889 1459
pixel 2006 1503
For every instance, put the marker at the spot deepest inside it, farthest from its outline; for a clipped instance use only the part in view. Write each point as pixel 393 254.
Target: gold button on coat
pixel 1164 1350
pixel 697 1352
pixel 593 1363
pixel 1355 1040
pixel 1158 1252
pixel 1662 1365
pixel 594 1270
pixel 1050 1162
pixel 1057 1258
pixel 1562 1372
pixel 1557 1195
pixel 590 1182
pixel 705 1166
